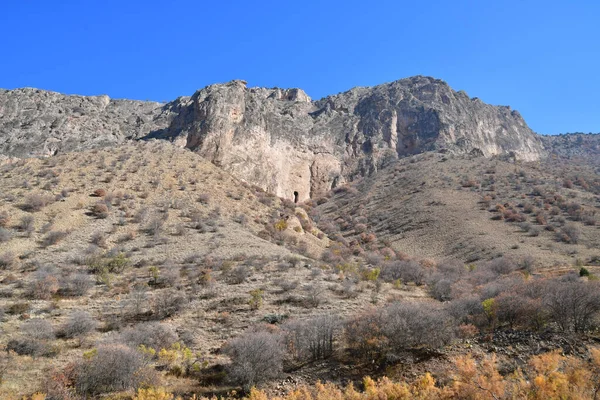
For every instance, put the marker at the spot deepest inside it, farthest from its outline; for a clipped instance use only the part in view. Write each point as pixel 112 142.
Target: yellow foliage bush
pixel 281 225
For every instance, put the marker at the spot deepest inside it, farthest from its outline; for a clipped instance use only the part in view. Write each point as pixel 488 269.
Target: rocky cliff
pixel 275 138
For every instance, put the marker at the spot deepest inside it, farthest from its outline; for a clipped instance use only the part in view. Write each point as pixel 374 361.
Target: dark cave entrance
pixel 295 197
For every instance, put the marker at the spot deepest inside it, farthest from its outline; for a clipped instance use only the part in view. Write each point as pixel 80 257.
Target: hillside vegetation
pixel 144 271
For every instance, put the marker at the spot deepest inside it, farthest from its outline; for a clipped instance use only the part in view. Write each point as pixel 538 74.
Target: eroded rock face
pixel 36 122
pixel 276 138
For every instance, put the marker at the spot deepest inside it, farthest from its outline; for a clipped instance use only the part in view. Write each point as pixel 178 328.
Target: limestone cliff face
pixel 275 138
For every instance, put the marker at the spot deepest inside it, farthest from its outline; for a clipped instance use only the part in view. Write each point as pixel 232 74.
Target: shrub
pixel 573 305
pixel 99 193
pixel 29 347
pixel 312 339
pixel 35 334
pixel 516 310
pixel 110 368
pixel 569 234
pixel 313 295
pixel 256 356
pixel 77 284
pixel 78 325
pixel 281 225
pixel 53 237
pixel 98 239
pixel 4 219
pixel 407 325
pixel 5 235
pixel 35 202
pixel 204 198
pixel 363 334
pixel 239 274
pixel 256 299
pixel 155 226
pixel 27 224
pixel 502 266
pixel 115 264
pixel 152 335
pixel 38 328
pixel 19 308
pixel 43 285
pixel 584 272
pixel 167 303
pixel 286 285
pixel 406 271
pixel 99 210
pixel 7 260
pixel 467 310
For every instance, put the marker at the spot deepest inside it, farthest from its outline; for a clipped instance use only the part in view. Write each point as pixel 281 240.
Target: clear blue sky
pixel 540 57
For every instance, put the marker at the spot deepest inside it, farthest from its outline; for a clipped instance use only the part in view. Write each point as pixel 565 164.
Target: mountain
pixel 278 139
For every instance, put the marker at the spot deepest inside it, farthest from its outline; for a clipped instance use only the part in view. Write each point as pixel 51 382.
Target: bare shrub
pixel 137 300
pixel 363 334
pixel 43 285
pixel 77 284
pixel 155 226
pixel 99 210
pixel 239 274
pixel 99 239
pixel 348 289
pixel 33 340
pixel 4 219
pixel 573 305
pixel 35 202
pixel 467 310
pixel 153 335
pixel 256 357
pixel 286 285
pixel 53 237
pixel 7 260
pixel 78 325
pixel 5 235
pixel 406 271
pixel 516 310
pixel 312 339
pixel 408 325
pixel 111 368
pixel 569 234
pixel 204 198
pixel 167 303
pixel 27 224
pixel 38 328
pixel 502 265
pixel 313 295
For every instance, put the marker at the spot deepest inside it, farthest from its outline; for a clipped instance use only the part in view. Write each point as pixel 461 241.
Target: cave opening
pixel 295 197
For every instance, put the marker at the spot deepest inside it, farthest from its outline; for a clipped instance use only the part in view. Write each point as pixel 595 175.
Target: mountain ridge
pixel 278 139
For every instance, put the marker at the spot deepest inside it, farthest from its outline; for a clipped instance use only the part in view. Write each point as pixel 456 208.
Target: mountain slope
pixel 470 209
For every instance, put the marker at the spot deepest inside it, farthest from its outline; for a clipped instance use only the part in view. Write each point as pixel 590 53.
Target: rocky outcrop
pixel 36 122
pixel 276 138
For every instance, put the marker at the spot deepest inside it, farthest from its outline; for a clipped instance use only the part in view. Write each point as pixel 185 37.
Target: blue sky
pixel 539 57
